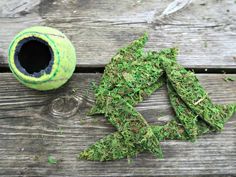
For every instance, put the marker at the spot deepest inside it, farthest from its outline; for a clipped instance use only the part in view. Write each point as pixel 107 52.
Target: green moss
pixel 133 75
pixel 185 115
pixel 130 77
pixel 227 79
pixel 52 160
pixel 193 94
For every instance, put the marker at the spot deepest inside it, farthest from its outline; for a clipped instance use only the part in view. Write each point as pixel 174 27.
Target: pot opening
pixel 33 55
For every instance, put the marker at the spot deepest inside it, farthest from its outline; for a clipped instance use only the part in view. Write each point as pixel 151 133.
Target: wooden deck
pixel 34 125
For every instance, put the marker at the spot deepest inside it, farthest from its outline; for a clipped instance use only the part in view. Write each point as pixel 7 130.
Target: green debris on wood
pixel 228 79
pixel 61 130
pixel 205 44
pixel 52 160
pixel 133 75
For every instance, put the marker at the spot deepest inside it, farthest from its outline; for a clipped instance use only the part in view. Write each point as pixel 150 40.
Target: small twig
pixel 200 100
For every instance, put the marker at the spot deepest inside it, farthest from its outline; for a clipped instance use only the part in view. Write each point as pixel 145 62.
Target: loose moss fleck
pixel 227 79
pixel 52 160
pixel 205 44
pixel 61 130
pixel 133 75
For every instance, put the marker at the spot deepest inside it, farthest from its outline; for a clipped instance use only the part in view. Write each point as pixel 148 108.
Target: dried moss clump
pixel 133 75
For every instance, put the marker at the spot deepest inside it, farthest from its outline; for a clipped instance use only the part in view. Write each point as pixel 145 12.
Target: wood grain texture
pixel 34 125
pixel 204 31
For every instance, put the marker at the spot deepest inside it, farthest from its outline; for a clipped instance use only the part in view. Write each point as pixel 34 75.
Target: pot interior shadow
pixel 33 56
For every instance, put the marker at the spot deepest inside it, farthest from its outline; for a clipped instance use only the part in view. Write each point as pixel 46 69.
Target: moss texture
pixel 133 75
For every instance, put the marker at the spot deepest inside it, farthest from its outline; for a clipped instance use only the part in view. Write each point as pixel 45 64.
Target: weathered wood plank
pixel 204 32
pixel 34 125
